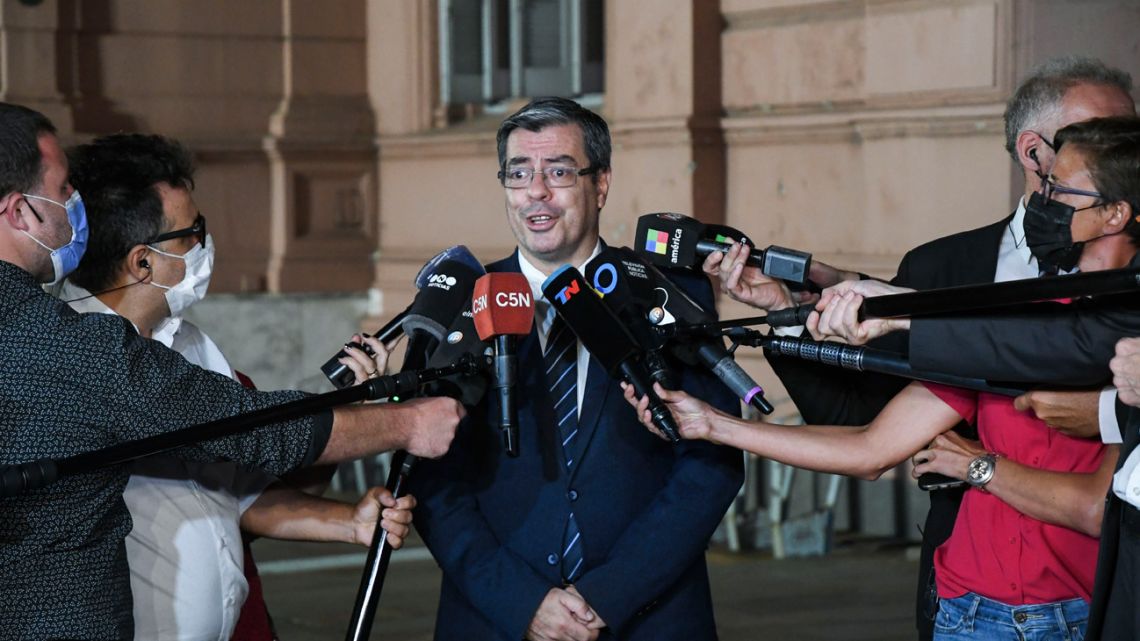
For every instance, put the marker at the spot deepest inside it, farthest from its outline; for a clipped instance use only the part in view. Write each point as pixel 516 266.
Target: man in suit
pixel 1058 93
pixel 597 528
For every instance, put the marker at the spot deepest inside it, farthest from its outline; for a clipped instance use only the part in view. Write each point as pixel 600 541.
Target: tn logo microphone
pixel 568 292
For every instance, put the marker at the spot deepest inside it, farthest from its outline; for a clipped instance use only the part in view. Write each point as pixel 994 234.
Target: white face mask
pixel 192 288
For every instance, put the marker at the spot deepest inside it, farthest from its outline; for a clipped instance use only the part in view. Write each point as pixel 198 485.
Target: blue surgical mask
pixel 65 259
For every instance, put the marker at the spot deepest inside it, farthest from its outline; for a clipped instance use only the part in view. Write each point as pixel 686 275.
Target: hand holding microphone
pixel 690 413
pixel 838 313
pixel 366 357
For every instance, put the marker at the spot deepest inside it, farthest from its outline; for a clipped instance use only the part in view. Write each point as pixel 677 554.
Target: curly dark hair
pixel 118 176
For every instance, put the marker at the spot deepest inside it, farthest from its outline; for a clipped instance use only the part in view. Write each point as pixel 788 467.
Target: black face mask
pixel 1048 231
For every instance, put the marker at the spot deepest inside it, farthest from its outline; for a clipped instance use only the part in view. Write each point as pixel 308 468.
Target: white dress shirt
pixel 185 550
pixel 544 314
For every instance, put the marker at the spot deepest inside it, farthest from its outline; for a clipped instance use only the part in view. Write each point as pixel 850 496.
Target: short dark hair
pixel 118 177
pixel 1038 98
pixel 550 111
pixel 21 162
pixel 1112 155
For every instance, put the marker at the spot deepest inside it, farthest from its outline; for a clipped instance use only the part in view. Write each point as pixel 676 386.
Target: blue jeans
pixel 977 618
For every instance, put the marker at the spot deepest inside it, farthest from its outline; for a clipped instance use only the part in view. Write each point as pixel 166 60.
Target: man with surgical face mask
pixel 150 259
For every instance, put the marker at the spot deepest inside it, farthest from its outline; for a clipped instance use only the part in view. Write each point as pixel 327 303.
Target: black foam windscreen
pixel 669 239
pixel 445 294
pixel 606 338
pixel 459 339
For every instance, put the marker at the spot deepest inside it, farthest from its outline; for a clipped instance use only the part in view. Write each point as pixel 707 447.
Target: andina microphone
pixel 626 288
pixel 432 309
pixel 604 336
pixel 676 240
pixel 503 308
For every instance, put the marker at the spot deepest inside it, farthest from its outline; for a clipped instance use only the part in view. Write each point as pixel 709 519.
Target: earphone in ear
pixel 144 264
pixel 1033 155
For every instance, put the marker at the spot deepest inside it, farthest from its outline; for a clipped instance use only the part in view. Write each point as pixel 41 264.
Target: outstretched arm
pixel 908 422
pixel 282 512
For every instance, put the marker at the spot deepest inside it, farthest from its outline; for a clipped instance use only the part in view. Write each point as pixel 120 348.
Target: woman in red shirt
pixel 1021 560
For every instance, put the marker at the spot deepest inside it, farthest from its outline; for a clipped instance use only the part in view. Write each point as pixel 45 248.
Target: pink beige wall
pixel 853 129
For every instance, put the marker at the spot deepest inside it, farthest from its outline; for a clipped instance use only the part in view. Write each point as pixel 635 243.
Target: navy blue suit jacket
pixel 646 510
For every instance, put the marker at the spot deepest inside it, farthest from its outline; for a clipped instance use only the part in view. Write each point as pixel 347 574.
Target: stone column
pixel 322 159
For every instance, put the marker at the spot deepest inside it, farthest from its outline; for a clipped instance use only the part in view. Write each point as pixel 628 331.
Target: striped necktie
pixel 561 360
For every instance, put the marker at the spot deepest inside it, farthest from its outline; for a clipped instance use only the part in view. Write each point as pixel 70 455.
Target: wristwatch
pixel 981 470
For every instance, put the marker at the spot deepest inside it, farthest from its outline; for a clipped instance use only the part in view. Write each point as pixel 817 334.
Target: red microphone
pixel 503 308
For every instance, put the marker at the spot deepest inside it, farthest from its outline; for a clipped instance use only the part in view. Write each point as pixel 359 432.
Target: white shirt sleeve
pixel 1126 483
pixel 1109 426
pixel 796 331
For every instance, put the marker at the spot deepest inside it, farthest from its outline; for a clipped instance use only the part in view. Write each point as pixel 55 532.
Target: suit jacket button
pixel 552 559
pixel 572 495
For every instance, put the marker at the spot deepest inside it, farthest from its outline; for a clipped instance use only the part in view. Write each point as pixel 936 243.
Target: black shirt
pixel 73 383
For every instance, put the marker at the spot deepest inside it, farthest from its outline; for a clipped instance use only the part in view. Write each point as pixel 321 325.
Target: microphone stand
pixel 380 552
pixel 379 556
pixel 19 478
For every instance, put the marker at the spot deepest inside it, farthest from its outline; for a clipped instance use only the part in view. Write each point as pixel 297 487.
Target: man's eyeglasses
pixel 554 176
pixel 198 229
pixel 1049 189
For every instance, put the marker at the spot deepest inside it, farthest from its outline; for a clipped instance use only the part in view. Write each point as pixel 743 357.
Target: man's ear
pixel 10 210
pixel 1120 215
pixel 137 265
pixel 603 186
pixel 1028 151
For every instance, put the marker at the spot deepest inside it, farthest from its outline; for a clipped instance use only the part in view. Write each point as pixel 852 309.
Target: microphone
pixel 444 302
pixel 461 342
pixel 606 338
pixel 339 374
pixel 676 240
pixel 431 311
pixel 868 359
pixel 503 309
pixel 434 327
pixel 673 305
pixel 627 288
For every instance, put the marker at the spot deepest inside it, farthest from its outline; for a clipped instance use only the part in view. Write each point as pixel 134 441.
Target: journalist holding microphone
pixel 75 383
pixel 1060 92
pixel 1036 496
pixel 149 259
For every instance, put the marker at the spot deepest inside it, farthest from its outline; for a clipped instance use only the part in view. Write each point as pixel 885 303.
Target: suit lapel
pixel 984 269
pixel 598 387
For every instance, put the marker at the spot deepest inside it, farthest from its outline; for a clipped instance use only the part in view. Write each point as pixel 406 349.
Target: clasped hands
pixel 564 615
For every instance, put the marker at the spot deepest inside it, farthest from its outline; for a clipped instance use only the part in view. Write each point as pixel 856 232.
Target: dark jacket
pixel 645 508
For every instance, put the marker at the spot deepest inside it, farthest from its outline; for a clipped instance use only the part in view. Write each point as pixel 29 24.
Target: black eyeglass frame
pixel 1049 188
pixel 197 229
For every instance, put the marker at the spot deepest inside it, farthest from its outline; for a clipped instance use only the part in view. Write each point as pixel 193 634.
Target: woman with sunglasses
pixel 1021 559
